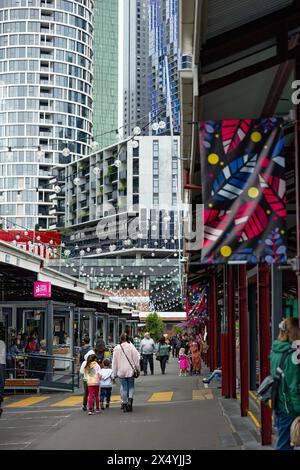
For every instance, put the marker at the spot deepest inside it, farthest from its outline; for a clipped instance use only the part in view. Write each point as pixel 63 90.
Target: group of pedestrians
pixel 188 349
pixel 148 349
pixel 99 372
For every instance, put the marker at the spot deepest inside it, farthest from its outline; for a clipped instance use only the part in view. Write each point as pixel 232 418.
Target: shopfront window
pixel 99 329
pixel 111 331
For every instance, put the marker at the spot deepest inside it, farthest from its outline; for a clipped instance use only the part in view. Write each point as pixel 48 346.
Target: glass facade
pixel 45 100
pixel 164 55
pixel 105 90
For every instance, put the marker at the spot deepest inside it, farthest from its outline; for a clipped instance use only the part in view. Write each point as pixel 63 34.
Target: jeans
pixel 105 394
pixel 148 358
pixel 283 423
pixel 93 392
pixel 215 374
pixel 2 380
pixel 163 361
pixel 127 388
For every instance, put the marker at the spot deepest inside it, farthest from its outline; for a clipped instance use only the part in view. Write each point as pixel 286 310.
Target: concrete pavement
pixel 170 412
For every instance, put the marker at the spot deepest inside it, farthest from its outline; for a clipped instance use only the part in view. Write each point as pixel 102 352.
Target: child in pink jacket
pixel 92 374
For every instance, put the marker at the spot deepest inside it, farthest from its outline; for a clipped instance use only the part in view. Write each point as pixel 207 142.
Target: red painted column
pixel 214 316
pixel 231 331
pixel 264 336
pixel 224 340
pixel 243 326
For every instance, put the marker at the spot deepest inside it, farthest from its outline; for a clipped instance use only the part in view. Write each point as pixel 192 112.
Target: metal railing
pixel 54 372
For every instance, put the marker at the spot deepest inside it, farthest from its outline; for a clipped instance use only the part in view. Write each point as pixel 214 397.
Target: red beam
pixel 243 326
pixel 216 84
pixel 251 34
pixel 264 336
pixel 280 80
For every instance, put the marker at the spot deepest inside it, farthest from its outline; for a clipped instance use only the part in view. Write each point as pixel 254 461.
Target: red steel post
pixel 214 315
pixel 224 340
pixel 264 334
pixel 231 332
pixel 243 327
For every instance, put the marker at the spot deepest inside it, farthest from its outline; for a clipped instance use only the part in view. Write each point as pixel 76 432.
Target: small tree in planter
pixel 155 326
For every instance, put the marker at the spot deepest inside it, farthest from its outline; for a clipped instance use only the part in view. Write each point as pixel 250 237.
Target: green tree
pixel 155 326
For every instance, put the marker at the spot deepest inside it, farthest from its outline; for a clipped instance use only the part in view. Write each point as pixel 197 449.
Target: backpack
pixel 269 388
pixel 83 352
pixel 295 432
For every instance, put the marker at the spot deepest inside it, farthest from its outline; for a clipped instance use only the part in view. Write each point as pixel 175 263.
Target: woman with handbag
pixel 126 366
pixel 162 354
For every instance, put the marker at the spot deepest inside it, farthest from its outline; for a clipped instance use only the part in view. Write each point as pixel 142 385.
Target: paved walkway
pixel 170 412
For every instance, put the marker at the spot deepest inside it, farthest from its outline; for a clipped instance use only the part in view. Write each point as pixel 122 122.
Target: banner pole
pixel 297 179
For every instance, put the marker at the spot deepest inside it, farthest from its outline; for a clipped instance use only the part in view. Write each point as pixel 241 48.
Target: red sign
pixel 42 289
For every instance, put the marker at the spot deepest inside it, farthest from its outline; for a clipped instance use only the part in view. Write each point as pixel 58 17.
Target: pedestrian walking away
pixel 163 353
pixel 92 374
pixel 287 406
pixel 106 383
pixel 147 351
pixel 126 366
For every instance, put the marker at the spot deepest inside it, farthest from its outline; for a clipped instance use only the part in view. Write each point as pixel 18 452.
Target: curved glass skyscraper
pixel 45 101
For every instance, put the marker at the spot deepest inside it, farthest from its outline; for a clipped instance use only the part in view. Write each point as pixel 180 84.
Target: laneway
pixel 170 412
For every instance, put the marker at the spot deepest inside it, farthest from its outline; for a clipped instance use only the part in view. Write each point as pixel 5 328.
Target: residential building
pixel 136 105
pixel 165 61
pixel 46 101
pixel 123 212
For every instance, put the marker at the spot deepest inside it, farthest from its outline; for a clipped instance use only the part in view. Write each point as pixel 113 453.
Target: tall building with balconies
pixel 135 65
pixel 165 61
pixel 46 101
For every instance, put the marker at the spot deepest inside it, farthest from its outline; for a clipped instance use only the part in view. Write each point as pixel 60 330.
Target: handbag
pixel 136 372
pixel 295 432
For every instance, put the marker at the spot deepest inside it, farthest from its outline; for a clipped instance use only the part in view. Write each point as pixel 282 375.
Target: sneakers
pixel 205 381
pixel 107 404
pixel 98 411
pixel 84 408
pixel 90 412
pixel 102 405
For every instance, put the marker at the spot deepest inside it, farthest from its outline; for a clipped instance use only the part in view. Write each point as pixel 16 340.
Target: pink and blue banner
pixel 244 191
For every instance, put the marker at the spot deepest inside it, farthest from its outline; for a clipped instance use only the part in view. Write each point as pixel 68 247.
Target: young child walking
pixel 183 362
pixel 93 376
pixel 106 383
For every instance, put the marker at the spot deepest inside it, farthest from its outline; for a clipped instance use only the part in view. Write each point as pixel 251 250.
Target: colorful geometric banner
pixel 196 302
pixel 243 188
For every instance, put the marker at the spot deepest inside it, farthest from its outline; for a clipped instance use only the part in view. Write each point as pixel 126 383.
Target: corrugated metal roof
pixel 224 15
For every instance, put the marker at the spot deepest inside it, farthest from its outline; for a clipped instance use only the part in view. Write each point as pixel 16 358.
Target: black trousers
pixel 2 380
pixel 148 358
pixel 163 361
pixel 85 393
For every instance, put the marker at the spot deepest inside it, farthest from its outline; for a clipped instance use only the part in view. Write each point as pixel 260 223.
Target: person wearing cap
pixel 147 350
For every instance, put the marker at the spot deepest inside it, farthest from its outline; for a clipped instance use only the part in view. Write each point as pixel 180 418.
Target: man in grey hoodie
pixel 147 349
